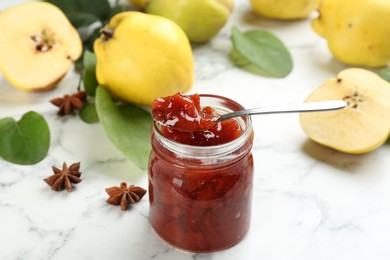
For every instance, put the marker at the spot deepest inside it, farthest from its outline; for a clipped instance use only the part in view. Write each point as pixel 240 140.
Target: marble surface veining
pixel 309 202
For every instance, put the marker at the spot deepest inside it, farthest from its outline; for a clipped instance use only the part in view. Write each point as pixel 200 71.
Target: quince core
pixel 361 127
pixel 38 45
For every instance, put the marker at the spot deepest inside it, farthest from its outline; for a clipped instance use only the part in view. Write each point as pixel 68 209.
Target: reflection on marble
pixel 310 202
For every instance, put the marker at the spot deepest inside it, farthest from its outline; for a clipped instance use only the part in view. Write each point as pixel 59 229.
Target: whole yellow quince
pixel 141 57
pixel 358 31
pixel 201 20
pixel 284 9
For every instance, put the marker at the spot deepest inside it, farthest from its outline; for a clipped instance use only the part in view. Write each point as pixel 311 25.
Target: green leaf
pixel 88 43
pixel 89 77
pixel 79 19
pixel 88 114
pixel 79 65
pixel 127 126
pixel 98 8
pixel 26 141
pixel 245 64
pixel 385 73
pixel 116 10
pixel 263 50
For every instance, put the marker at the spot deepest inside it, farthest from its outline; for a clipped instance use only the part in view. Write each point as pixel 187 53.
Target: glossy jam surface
pixel 188 123
pixel 201 203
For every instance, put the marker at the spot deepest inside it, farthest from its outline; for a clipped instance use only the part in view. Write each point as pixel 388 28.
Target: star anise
pixel 69 103
pixel 124 195
pixel 65 177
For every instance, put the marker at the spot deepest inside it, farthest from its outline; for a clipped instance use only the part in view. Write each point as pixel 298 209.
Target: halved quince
pixel 38 45
pixel 363 125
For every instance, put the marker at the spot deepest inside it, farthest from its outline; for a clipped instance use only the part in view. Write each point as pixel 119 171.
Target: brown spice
pixel 69 103
pixel 124 195
pixel 64 178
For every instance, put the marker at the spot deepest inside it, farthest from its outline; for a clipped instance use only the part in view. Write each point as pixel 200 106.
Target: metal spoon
pixel 291 108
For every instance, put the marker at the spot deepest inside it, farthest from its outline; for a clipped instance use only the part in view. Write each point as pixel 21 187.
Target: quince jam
pixel 200 181
pixel 188 123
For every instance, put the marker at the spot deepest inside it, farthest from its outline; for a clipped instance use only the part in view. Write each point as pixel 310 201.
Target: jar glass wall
pixel 200 196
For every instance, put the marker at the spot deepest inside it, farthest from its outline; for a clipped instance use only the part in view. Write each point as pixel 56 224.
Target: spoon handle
pixel 293 108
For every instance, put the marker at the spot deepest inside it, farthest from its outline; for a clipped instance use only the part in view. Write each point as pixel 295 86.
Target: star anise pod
pixel 65 177
pixel 69 103
pixel 124 195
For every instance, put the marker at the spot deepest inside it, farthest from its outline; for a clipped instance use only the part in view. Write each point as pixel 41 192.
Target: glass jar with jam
pixel 200 182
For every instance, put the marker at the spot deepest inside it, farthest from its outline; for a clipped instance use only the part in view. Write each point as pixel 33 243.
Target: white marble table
pixel 309 201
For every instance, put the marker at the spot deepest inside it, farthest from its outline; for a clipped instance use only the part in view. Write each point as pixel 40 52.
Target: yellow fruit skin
pixel 284 9
pixel 357 31
pixel 147 57
pixel 21 64
pixel 201 20
pixel 351 130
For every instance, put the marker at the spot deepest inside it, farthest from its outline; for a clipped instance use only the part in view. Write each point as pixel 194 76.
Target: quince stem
pixel 107 33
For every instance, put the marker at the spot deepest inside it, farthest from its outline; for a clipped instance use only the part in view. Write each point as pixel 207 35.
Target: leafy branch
pixel 88 17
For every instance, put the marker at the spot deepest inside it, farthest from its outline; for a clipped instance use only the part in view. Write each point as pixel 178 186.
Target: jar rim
pixel 187 150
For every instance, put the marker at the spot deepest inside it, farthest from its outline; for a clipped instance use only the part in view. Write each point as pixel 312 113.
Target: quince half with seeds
pixel 38 45
pixel 363 125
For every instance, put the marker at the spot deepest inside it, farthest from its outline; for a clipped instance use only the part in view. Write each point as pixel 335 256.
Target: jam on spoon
pixel 185 121
pixel 183 113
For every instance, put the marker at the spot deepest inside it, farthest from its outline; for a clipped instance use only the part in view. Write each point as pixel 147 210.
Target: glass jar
pixel 200 196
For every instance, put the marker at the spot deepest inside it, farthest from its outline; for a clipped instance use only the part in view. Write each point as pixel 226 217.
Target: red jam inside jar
pixel 200 182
